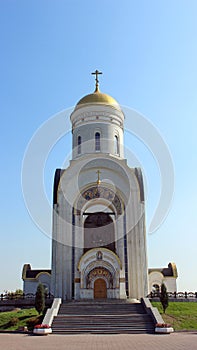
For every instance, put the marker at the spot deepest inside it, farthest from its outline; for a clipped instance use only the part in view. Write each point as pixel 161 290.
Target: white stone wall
pixel 81 175
pixel 156 277
pixel 170 283
pixel 106 120
pixel 30 285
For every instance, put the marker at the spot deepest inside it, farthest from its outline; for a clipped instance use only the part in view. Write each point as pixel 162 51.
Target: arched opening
pixel 97 141
pixel 99 231
pixel 155 289
pixel 79 144
pixel 100 263
pixel 116 145
pixel 100 289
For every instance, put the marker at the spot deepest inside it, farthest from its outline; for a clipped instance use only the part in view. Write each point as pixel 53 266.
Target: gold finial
pixel 96 79
pixel 98 180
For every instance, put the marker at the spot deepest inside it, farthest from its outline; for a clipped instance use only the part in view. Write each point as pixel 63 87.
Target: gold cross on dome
pixel 98 180
pixel 96 73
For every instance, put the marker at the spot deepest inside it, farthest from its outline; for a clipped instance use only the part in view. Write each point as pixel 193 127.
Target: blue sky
pixel 147 52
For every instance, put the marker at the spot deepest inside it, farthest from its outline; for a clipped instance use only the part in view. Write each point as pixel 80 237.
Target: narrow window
pixel 79 144
pixel 97 142
pixel 116 144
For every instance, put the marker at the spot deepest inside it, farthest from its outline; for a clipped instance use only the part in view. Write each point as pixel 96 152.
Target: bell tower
pixel 97 125
pixel 99 236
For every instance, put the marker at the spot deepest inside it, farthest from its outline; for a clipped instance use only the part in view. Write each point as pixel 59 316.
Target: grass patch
pixel 181 315
pixel 13 320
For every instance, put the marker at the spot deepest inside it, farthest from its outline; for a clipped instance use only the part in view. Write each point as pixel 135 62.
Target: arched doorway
pixel 100 289
pixel 100 264
pixel 99 231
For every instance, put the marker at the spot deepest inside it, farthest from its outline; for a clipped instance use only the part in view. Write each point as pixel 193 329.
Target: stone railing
pixel 52 312
pixel 152 311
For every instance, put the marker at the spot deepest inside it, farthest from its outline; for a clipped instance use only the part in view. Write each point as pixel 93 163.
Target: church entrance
pixel 100 289
pixel 99 270
pixel 99 231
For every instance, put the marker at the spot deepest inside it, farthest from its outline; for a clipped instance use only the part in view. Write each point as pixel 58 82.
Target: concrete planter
pixel 42 331
pixel 164 330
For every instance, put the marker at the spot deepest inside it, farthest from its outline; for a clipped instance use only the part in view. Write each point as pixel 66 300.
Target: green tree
pixel 19 292
pixel 40 298
pixel 164 297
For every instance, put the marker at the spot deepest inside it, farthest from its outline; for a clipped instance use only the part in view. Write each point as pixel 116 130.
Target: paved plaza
pixel 176 341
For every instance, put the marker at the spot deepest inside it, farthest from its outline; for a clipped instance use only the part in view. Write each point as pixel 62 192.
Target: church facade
pixel 99 234
pixel 99 238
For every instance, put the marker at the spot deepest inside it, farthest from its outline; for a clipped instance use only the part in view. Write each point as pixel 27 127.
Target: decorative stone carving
pixel 99 263
pixel 99 272
pixel 100 192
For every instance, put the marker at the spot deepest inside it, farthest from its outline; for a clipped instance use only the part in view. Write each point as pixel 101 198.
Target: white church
pixel 99 233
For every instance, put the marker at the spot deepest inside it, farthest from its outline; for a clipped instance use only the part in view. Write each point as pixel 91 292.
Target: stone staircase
pixel 102 317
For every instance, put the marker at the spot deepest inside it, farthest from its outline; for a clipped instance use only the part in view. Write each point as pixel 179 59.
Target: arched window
pixel 116 145
pixel 97 142
pixel 79 144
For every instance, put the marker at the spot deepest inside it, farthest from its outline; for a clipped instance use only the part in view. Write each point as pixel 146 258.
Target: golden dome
pixel 98 97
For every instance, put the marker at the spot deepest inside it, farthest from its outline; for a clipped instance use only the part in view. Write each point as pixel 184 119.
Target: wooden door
pixel 100 289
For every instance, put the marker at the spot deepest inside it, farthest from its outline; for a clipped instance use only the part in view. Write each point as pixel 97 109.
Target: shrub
pixel 13 321
pixel 164 297
pixel 40 298
pixel 33 321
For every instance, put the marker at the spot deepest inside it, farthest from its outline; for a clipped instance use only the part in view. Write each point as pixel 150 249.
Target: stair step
pixel 111 317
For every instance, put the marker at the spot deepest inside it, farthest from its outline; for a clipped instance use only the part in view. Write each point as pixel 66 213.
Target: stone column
pixel 132 251
pixel 79 243
pixel 67 251
pixel 120 253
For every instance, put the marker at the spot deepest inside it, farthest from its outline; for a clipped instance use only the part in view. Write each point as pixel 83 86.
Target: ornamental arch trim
pixel 109 265
pixel 99 192
pixel 99 272
pixel 92 255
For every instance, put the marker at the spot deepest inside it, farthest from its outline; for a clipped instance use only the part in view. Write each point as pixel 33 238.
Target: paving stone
pixel 176 341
